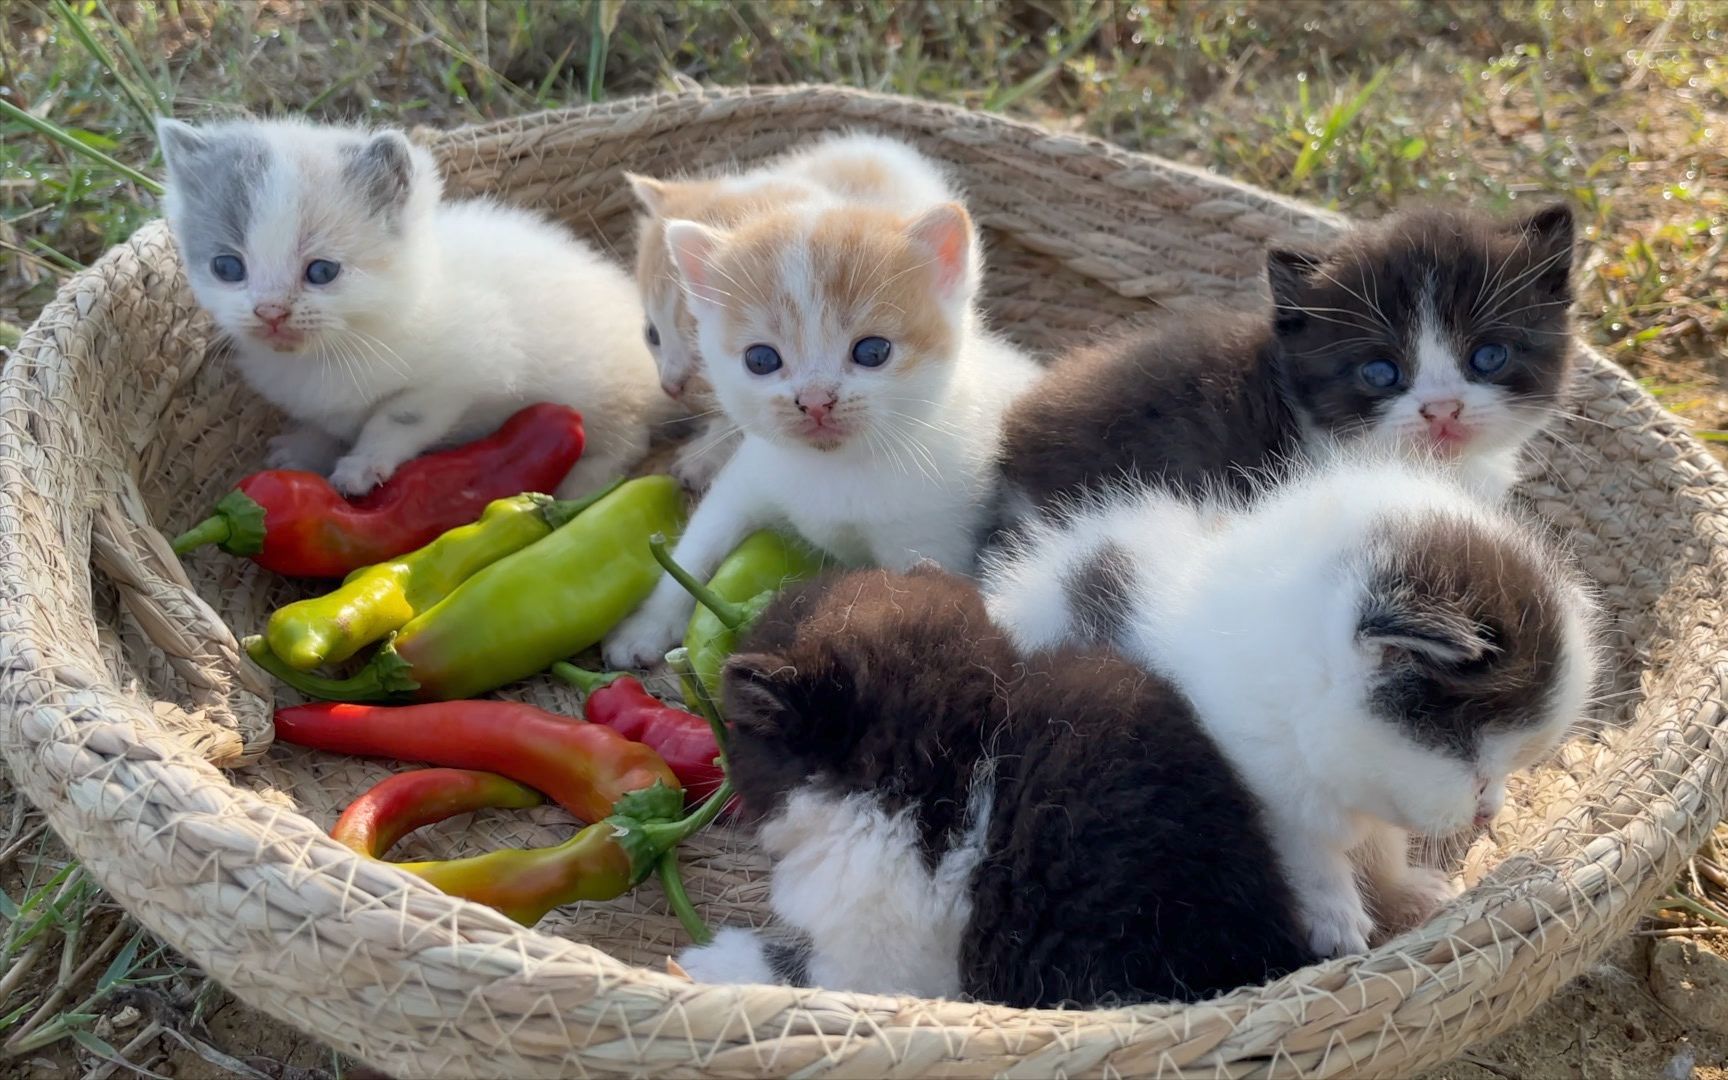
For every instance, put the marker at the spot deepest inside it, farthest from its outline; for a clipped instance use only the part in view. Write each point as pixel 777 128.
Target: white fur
pixel 1254 614
pixel 913 478
pixel 736 955
pixel 850 875
pixel 429 336
pixel 857 167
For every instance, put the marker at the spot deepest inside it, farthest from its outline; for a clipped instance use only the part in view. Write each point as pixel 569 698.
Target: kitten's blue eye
pixel 871 352
pixel 322 271
pixel 228 268
pixel 1380 374
pixel 761 359
pixel 653 335
pixel 1489 358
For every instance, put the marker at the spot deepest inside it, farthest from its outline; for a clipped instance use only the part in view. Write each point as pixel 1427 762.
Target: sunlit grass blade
pixel 50 131
pixel 1338 119
pixel 81 30
pixel 605 21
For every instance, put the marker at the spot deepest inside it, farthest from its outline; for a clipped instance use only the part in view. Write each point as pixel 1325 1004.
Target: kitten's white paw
pixel 641 640
pixel 1413 899
pixel 735 955
pixel 357 474
pixel 302 448
pixel 1339 930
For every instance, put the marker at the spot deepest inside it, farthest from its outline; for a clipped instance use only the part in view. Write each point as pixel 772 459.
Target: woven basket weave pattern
pixel 121 688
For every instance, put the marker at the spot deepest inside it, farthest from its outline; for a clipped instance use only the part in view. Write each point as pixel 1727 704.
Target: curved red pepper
pixel 683 739
pixel 295 523
pixel 397 805
pixel 585 768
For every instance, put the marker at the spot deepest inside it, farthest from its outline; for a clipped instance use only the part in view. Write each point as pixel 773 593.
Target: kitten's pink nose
pixel 272 314
pixel 816 406
pixel 673 388
pixel 1442 410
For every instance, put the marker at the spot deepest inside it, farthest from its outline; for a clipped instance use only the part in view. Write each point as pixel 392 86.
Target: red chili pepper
pixel 295 523
pixel 684 740
pixel 397 805
pixel 585 768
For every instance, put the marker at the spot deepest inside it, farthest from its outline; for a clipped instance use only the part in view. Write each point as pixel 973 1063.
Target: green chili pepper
pixel 511 620
pixel 376 600
pixel 742 586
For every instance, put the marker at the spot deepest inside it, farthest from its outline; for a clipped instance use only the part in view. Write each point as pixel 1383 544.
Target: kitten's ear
pixel 384 170
pixel 693 248
pixel 651 193
pixel 1423 628
pixel 1288 272
pixel 179 141
pixel 1551 232
pixel 946 231
pixel 756 693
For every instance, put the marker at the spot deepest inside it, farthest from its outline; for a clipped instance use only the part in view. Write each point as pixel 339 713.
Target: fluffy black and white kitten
pixel 1373 649
pixel 948 818
pixel 1431 332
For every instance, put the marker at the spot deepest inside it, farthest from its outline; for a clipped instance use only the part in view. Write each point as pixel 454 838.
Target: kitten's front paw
pixel 302 448
pixel 641 640
pixel 1413 899
pixel 736 955
pixel 356 474
pixel 1339 930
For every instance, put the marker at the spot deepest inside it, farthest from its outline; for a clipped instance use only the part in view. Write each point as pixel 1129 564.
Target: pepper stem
pixel 212 530
pixel 670 834
pixel 562 511
pixel 679 900
pixel 696 696
pixel 731 615
pixel 384 678
pixel 583 679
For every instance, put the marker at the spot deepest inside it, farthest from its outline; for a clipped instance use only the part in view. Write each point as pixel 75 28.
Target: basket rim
pixel 65 727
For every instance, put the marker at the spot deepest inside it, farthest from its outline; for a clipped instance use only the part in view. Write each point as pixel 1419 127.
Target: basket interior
pixel 1617 495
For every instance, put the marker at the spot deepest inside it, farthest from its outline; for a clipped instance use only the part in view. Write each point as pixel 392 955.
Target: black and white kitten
pixel 948 818
pixel 1436 332
pixel 1374 650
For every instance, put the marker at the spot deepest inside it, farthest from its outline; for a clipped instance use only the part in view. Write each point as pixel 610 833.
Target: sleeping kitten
pixel 844 340
pixel 1433 332
pixel 948 821
pixel 856 166
pixel 1373 650
pixel 387 321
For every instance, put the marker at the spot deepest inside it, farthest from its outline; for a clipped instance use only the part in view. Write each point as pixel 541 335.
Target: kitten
pixel 387 321
pixel 948 821
pixel 855 166
pixel 1373 650
pixel 1433 332
pixel 845 342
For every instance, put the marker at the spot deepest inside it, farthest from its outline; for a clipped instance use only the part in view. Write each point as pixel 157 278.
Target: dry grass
pixel 1621 107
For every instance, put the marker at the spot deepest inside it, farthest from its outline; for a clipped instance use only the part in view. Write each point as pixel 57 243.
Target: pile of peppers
pixel 459 605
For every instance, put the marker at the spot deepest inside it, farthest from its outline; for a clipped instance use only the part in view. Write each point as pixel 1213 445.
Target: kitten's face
pixel 832 329
pixel 295 237
pixel 1435 331
pixel 671 329
pixel 1475 654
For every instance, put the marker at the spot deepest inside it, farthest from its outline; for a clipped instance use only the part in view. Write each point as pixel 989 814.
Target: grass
pixel 1621 107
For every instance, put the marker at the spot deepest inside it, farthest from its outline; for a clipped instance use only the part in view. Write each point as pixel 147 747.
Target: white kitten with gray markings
pixel 844 339
pixel 1408 649
pixel 387 321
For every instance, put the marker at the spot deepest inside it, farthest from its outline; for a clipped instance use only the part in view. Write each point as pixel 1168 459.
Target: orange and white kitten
pixel 845 341
pixel 856 166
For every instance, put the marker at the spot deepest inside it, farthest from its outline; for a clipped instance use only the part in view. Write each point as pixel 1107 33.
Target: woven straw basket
pixel 127 715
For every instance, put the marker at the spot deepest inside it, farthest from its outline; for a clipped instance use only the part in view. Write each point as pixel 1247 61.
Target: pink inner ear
pixel 945 232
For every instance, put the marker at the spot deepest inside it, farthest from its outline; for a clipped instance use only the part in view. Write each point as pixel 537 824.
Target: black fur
pixel 1124 861
pixel 1217 396
pixel 1100 591
pixel 1470 644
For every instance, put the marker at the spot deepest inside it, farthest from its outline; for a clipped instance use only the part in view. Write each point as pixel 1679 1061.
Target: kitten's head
pixel 1441 331
pixel 723 202
pixel 848 661
pixel 829 327
pixel 1422 645
pixel 298 238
